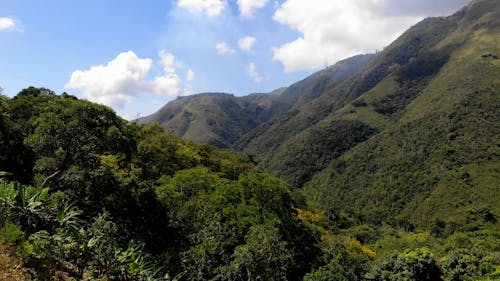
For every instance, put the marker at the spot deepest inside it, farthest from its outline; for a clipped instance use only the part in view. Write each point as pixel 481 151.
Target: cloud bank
pixel 118 81
pixel 335 29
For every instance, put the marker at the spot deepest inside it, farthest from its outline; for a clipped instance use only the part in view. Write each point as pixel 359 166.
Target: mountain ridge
pixel 441 71
pixel 255 108
pixel 388 166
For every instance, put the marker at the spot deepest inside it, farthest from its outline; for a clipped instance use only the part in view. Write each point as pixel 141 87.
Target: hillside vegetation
pixel 222 119
pixel 86 195
pixel 438 150
pixel 382 167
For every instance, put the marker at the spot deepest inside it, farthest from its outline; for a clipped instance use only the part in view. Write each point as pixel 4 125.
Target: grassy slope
pixel 437 159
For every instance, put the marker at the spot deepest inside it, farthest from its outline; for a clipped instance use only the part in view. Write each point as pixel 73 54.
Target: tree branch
pixel 46 181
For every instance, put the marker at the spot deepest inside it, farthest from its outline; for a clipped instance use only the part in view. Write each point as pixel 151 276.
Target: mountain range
pixel 403 135
pixel 221 119
pixel 382 167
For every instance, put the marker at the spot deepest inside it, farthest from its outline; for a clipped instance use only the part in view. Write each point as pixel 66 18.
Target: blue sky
pixel 137 55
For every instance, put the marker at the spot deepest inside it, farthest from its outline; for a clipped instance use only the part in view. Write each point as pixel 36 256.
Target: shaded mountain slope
pixel 298 158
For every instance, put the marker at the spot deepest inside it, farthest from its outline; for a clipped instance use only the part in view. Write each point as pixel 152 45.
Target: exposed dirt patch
pixel 11 268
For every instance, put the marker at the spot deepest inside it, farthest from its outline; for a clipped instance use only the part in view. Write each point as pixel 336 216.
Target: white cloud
pixel 252 70
pixel 248 6
pixel 167 60
pixel 7 23
pixel 125 77
pixel 246 43
pixel 335 29
pixel 190 75
pixel 209 7
pixel 223 48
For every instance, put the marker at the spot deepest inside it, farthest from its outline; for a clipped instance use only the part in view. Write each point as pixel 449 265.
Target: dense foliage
pixel 397 168
pixel 86 195
pixel 310 152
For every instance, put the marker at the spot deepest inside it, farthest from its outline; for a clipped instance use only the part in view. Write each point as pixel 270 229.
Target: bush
pixel 412 265
pixel 463 264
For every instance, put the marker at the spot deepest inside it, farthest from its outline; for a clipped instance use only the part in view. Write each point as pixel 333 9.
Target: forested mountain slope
pixel 437 155
pixel 294 132
pixel 215 118
pixel 384 142
pixel 389 167
pixel 221 119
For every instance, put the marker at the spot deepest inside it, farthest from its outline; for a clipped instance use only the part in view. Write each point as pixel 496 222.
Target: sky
pixel 135 56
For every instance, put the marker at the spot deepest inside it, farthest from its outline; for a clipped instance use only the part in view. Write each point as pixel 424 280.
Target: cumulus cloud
pixel 7 23
pixel 209 7
pixel 223 48
pixel 252 70
pixel 335 29
pixel 125 77
pixel 247 7
pixel 246 43
pixel 190 75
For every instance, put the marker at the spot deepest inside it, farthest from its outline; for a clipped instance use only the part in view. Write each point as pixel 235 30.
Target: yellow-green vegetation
pixel 386 87
pixel 365 115
pixel 362 110
pixel 460 193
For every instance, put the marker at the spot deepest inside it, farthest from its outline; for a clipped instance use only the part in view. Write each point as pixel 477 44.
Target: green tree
pixel 264 256
pixel 412 265
pixel 340 268
pixel 70 132
pixel 160 153
pixel 464 264
pixel 35 92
